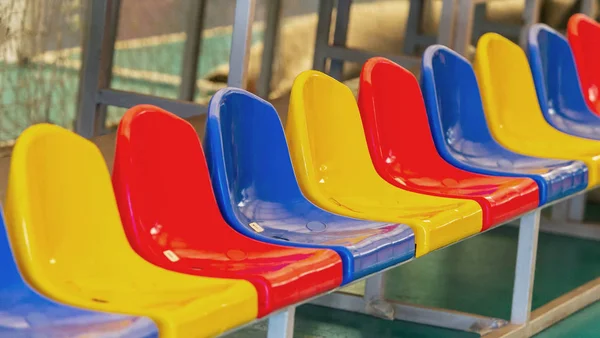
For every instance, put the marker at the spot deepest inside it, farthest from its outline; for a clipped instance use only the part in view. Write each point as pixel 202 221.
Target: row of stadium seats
pixel 192 240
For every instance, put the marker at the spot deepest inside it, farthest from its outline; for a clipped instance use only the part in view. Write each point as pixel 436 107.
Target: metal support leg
pixel 89 73
pixel 271 38
pixel 525 268
pixel 413 26
pixel 531 15
pixel 447 23
pixel 193 44
pixel 322 38
pixel 480 21
pixel 464 26
pixel 375 303
pixel 577 208
pixel 588 7
pixel 281 325
pixel 342 20
pixel 240 43
pixel 560 212
pixel 113 10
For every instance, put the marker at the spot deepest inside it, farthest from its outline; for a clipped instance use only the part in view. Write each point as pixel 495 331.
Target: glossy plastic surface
pixel 557 84
pixel 462 137
pixel 512 110
pixel 584 37
pixel 69 243
pixel 258 194
pixel 172 219
pixel 26 314
pixel 402 149
pixel 334 169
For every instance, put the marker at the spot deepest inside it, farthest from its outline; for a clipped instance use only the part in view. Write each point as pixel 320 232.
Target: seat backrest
pixel 554 73
pixel 453 103
pixel 247 153
pixel 61 211
pixel 162 183
pixel 507 88
pixel 584 37
pixel 325 132
pixel 394 119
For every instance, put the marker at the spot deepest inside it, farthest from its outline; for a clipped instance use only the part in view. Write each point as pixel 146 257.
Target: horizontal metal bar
pixel 360 56
pixel 553 312
pixel 541 318
pixel 425 40
pixel 455 320
pixel 506 29
pixel 126 99
pixel 572 229
pixel 564 306
pixel 509 331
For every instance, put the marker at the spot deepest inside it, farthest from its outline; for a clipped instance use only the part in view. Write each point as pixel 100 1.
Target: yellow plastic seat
pixel 336 173
pixel 70 245
pixel 513 112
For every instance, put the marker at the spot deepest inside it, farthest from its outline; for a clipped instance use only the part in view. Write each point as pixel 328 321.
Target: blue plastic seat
pixel 258 194
pixel 24 313
pixel 462 136
pixel 557 83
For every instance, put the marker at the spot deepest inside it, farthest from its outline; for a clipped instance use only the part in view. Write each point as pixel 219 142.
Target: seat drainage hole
pixel 316 226
pixel 281 238
pixel 99 300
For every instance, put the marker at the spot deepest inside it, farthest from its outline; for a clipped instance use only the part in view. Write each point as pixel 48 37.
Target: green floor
pixel 472 276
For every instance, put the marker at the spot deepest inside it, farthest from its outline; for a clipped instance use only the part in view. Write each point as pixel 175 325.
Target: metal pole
pixel 577 208
pixel 193 45
pixel 342 20
pixel 240 43
pixel 281 325
pixel 413 26
pixel 322 38
pixel 464 26
pixel 375 302
pixel 531 15
pixel 89 74
pixel 587 7
pixel 480 22
pixel 113 10
pixel 271 38
pixel 447 23
pixel 525 267
pixel 560 212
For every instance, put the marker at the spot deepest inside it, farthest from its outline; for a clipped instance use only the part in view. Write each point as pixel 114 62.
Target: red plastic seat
pixel 171 217
pixel 403 151
pixel 584 37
